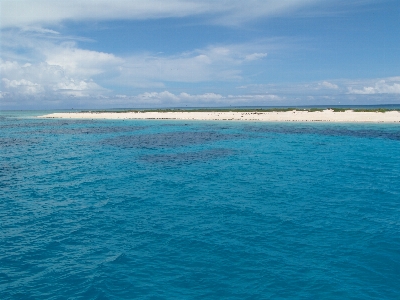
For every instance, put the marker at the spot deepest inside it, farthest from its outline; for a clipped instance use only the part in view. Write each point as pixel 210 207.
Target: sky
pixel 208 53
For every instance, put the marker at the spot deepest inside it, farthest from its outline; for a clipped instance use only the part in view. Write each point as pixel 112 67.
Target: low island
pixel 262 115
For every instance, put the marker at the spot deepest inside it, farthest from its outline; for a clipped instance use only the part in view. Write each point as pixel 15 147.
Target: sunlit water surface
pixel 198 210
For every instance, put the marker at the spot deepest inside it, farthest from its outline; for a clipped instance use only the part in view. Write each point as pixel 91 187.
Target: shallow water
pixel 177 209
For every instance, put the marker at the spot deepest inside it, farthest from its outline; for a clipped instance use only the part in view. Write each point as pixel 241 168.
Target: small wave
pixel 169 140
pixel 187 157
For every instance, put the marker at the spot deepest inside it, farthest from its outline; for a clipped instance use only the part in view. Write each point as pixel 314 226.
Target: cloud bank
pixel 42 67
pixel 55 72
pixel 43 79
pixel 17 13
pixel 383 86
pixel 51 66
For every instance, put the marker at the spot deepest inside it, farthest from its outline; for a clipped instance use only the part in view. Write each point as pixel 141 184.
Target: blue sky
pixel 105 54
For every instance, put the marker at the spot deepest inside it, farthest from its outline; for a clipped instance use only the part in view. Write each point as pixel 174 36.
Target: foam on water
pixel 171 209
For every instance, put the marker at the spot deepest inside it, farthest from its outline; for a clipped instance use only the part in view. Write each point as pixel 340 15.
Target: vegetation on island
pixel 249 110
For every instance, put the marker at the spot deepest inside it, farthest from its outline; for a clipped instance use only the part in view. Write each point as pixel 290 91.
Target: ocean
pixel 162 209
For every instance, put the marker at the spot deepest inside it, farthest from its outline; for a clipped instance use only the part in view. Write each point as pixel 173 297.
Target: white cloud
pixel 37 12
pixel 44 79
pixel 49 67
pixel 80 62
pixel 207 97
pixel 53 68
pixel 328 85
pixel 309 88
pixel 23 86
pixel 79 88
pixel 259 97
pixel 380 87
pixel 167 98
pixel 38 29
pixel 157 97
pixel 61 70
pixel 212 63
pixel 332 92
pixel 236 12
pixel 255 56
pixel 144 70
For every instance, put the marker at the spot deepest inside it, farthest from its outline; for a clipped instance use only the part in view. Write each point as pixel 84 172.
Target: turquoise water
pixel 198 210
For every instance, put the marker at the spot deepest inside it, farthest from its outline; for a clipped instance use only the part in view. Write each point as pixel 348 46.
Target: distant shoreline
pixel 378 115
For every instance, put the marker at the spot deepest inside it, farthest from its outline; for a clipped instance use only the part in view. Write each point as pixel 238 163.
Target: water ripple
pixel 393 134
pixel 126 210
pixel 169 139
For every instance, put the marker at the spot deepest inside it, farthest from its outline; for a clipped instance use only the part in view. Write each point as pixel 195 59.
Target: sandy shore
pixel 287 116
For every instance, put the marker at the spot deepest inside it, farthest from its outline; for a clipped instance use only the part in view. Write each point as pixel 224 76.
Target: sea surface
pixel 148 209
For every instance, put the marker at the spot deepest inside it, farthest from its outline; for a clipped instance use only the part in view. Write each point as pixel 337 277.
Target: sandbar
pixel 327 115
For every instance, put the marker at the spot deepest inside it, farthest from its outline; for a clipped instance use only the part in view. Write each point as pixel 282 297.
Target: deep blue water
pixel 198 210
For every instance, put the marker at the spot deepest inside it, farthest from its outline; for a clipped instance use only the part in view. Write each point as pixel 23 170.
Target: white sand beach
pixel 327 115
